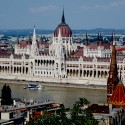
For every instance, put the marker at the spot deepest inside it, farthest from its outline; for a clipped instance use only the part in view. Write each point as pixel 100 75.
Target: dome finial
pixel 63 17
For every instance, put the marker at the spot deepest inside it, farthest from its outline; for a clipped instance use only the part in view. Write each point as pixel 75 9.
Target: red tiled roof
pixel 78 52
pixel 64 29
pixel 106 45
pixel 23 44
pixel 118 97
pixel 93 45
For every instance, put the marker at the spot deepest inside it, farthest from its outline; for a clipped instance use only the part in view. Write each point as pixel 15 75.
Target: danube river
pixel 64 95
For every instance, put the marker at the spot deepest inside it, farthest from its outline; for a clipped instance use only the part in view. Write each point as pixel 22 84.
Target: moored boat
pixel 33 86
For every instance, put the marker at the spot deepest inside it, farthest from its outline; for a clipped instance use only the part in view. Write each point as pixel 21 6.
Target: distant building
pixel 60 61
pixel 97 49
pixel 112 113
pixel 23 112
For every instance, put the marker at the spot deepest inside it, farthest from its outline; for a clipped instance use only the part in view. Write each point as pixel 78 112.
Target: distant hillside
pixel 102 30
pixel 27 32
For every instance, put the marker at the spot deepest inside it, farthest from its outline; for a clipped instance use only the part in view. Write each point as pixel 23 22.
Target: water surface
pixel 67 96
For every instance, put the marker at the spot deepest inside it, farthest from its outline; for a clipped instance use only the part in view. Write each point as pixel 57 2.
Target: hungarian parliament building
pixel 61 61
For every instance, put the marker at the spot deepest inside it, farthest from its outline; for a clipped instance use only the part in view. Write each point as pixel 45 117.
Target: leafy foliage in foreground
pixel 79 116
pixel 6 96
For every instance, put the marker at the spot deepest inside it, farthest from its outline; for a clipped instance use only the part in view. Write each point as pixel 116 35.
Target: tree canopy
pixel 78 116
pixel 6 96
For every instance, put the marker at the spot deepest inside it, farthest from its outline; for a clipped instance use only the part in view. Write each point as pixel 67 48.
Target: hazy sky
pixel 46 14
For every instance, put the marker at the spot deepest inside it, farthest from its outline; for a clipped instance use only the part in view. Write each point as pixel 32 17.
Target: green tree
pixel 6 96
pixel 79 116
pixel 49 120
pixel 83 101
pixel 63 117
pixel 3 94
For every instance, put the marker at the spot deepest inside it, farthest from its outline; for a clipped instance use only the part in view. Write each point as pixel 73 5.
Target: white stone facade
pixel 99 52
pixel 29 64
pixel 98 48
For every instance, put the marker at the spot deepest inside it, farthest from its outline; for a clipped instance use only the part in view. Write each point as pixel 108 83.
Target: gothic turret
pixel 99 42
pixel 29 40
pixel 59 62
pixel 113 73
pixel 86 42
pixel 34 46
pixel 34 36
pixel 112 38
pixel 58 51
pixel 63 17
pixel 17 42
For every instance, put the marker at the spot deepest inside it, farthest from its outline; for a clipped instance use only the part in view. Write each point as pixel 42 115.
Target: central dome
pixel 64 29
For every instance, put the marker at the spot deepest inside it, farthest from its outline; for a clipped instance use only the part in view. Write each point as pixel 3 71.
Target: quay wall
pixel 56 82
pixel 86 81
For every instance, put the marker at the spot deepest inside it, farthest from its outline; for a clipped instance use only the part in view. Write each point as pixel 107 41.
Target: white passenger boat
pixel 33 86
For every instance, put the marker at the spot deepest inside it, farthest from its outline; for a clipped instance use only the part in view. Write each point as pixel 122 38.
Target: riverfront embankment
pixel 72 85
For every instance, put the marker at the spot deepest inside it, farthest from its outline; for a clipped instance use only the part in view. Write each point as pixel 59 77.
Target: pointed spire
pixel 63 17
pixel 113 39
pixel 58 50
pixel 86 36
pixel 34 35
pixel 17 39
pixel 34 32
pixel 34 46
pixel 86 43
pixel 113 58
pixel 113 74
pixel 98 38
pixel 29 40
pixel 113 64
